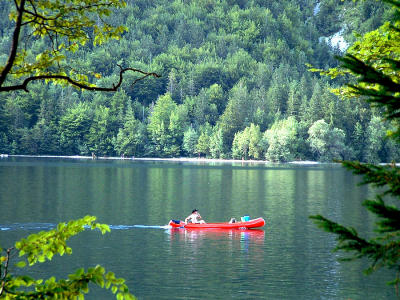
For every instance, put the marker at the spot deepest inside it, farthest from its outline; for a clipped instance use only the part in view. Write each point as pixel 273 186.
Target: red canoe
pixel 259 222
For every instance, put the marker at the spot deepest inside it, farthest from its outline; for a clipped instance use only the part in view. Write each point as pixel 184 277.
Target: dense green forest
pixel 235 84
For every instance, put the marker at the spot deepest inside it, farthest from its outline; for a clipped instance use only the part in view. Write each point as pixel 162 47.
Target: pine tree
pixel 378 77
pixel 203 144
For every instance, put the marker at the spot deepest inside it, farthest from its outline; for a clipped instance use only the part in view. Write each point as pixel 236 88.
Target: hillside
pixel 234 85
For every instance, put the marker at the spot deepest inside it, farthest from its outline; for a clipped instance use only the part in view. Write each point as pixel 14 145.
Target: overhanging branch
pixel 114 88
pixel 14 44
pixel 4 275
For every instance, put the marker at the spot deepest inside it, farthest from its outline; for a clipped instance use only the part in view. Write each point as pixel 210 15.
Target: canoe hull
pixel 255 223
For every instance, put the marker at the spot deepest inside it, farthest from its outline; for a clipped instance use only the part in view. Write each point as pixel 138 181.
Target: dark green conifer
pixel 380 88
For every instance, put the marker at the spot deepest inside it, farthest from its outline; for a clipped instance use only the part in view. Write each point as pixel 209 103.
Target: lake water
pixel 288 259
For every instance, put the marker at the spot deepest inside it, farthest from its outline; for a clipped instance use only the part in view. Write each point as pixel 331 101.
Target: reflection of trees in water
pixel 255 235
pixel 195 239
pixel 224 256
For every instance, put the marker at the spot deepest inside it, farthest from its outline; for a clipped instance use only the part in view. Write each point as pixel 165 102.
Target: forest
pixel 235 84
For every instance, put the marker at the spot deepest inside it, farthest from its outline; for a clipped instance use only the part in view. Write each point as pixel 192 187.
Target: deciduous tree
pixel 326 142
pixel 43 246
pixel 203 144
pixel 190 140
pixel 64 26
pixel 281 140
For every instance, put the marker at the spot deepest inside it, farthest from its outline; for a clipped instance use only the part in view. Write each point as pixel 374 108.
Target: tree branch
pixel 3 278
pixel 68 10
pixel 75 83
pixel 14 45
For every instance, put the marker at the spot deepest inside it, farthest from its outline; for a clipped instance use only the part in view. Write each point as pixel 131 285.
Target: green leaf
pixel 61 250
pixel 49 255
pixel 120 296
pixel 108 284
pixel 114 289
pixel 21 264
pixel 42 246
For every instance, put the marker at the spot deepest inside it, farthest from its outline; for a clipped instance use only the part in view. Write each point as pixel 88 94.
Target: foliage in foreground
pixel 62 27
pixel 376 77
pixel 42 246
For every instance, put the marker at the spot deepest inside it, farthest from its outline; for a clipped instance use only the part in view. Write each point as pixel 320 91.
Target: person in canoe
pixel 194 217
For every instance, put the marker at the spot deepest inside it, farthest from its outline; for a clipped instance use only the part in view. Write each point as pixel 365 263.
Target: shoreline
pixel 183 160
pixel 172 159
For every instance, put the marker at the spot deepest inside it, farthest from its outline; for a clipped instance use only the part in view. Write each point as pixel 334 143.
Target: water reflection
pixel 293 260
pixel 192 235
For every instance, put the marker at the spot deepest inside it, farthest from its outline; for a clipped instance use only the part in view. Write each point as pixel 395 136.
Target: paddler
pixel 194 217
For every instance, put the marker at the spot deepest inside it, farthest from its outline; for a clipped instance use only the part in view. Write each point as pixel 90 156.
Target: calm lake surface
pixel 288 259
